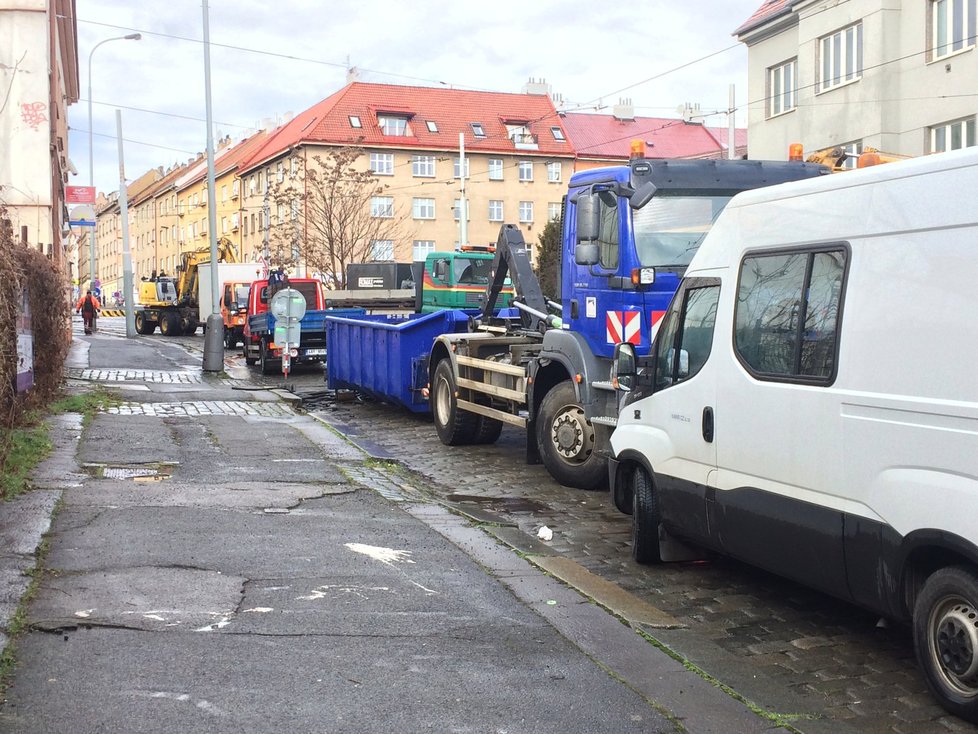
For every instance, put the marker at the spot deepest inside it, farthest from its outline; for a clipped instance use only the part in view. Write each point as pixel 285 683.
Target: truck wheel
pixel 267 366
pixel 229 340
pixel 250 361
pixel 945 634
pixel 455 427
pixel 645 518
pixel 144 325
pixel 487 429
pixel 190 327
pixel 170 324
pixel 566 441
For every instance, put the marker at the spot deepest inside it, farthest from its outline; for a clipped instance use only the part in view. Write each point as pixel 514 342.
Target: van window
pixel 686 334
pixel 787 315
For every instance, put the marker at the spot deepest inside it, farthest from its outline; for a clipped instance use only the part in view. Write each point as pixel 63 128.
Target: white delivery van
pixel 810 404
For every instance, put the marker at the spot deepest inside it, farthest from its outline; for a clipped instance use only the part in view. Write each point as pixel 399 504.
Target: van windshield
pixel 669 229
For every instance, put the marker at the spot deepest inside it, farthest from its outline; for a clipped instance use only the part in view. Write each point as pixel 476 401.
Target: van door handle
pixel 708 424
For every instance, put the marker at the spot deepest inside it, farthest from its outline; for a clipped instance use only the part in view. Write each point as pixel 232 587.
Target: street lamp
pixel 91 145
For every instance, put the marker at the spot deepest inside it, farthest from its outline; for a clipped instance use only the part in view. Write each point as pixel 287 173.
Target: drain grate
pixel 137 473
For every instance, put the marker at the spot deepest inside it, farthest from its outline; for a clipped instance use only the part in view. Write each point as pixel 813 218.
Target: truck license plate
pixel 315 352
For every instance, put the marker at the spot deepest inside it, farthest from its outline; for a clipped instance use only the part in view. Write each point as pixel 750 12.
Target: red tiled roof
pixel 232 157
pixel 605 136
pixel 769 10
pixel 451 110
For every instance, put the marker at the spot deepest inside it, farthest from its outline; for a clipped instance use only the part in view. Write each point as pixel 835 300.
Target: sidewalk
pixel 222 563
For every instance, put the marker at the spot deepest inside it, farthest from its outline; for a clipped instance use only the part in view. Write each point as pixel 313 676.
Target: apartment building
pixel 517 158
pixel 39 78
pixel 896 76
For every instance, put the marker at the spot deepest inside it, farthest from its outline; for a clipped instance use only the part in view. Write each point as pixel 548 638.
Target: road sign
pixel 288 303
pixel 82 216
pixel 79 194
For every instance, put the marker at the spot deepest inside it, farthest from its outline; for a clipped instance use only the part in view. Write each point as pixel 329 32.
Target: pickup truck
pixel 258 345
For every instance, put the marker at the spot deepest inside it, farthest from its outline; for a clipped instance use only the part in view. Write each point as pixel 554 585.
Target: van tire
pixel 566 440
pixel 946 638
pixel 646 518
pixel 455 427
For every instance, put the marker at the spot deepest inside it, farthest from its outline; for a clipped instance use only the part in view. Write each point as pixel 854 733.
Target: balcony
pixel 524 141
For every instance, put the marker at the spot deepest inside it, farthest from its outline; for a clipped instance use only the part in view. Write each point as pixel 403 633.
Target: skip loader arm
pixel 512 260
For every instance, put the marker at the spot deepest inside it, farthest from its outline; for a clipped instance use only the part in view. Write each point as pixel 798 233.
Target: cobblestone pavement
pixel 750 630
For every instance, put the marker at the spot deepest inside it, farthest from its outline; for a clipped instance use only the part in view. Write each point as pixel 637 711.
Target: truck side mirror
pixel 586 254
pixel 588 222
pixel 624 368
pixel 643 195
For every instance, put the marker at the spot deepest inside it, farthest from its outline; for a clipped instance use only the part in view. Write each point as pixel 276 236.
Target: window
pixel 295 210
pixel 355 122
pixel 382 250
pixel 526 211
pixel 280 213
pixel 558 133
pixel 686 333
pixel 382 164
pixel 391 125
pixel 382 207
pixel 421 249
pixel 787 314
pixel 423 165
pixel 477 130
pixel 520 134
pixel 608 230
pixel 781 88
pixel 841 57
pixel 458 163
pixel 280 172
pixel 526 170
pixel 293 166
pixel 495 169
pixel 224 192
pixel 432 126
pixel 455 210
pixel 952 135
pixel 495 210
pixel 853 151
pixel 553 171
pixel 952 26
pixel 553 211
pixel 235 188
pixel 224 225
pixel 252 185
pixel 423 208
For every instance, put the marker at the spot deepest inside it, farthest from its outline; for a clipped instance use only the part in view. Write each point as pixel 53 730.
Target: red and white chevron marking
pixel 624 326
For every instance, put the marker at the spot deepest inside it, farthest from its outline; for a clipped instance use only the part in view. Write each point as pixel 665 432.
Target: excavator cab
pixel 158 292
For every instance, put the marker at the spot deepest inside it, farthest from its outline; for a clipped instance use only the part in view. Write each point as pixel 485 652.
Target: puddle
pixel 135 472
pixel 506 504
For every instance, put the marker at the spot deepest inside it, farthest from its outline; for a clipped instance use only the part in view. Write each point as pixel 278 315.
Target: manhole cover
pixel 501 504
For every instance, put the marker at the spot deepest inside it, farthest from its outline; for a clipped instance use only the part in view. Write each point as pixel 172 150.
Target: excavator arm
pixel 190 262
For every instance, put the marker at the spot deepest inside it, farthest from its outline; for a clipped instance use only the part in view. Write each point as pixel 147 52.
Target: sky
pixel 269 59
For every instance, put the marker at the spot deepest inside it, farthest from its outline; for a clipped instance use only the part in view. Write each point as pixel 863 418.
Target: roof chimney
pixel 624 110
pixel 536 86
pixel 352 75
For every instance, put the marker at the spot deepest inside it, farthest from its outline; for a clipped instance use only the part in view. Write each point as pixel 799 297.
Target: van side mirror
pixel 683 371
pixel 588 224
pixel 624 368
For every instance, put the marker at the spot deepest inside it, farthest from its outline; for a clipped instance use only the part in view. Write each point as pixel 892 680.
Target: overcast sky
pixel 270 58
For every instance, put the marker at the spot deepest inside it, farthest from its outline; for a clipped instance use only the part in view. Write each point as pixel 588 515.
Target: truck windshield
pixel 472 272
pixel 241 296
pixel 669 229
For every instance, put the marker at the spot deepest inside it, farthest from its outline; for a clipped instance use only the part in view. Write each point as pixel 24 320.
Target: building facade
pixel 895 75
pixel 39 76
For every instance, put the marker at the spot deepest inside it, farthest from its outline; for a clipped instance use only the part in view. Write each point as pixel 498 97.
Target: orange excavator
pixel 836 157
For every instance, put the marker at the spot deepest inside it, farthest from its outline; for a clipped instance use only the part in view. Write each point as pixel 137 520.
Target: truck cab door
pixel 680 412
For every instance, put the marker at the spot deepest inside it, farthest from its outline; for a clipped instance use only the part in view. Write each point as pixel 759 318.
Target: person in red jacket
pixel 88 306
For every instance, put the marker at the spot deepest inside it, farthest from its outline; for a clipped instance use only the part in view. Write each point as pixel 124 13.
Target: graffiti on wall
pixel 32 114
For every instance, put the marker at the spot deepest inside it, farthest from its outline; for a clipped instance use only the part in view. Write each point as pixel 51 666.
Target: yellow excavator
pixel 173 303
pixel 836 157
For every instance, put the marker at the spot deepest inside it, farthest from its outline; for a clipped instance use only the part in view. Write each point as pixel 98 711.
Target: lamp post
pixel 91 146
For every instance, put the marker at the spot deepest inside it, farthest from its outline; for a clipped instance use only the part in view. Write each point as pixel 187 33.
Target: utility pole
pixel 214 330
pixel 126 253
pixel 463 227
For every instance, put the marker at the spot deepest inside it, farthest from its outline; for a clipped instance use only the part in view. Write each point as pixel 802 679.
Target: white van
pixel 810 405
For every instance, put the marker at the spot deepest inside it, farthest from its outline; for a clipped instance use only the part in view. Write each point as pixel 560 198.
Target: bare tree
pixel 330 214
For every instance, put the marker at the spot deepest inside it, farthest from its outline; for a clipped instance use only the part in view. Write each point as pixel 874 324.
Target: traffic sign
pixel 79 194
pixel 289 304
pixel 82 216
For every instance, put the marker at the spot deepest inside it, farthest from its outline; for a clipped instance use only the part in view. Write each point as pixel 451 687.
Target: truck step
pixel 603 420
pixel 602 385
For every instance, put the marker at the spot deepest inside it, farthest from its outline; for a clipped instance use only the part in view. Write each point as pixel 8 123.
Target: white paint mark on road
pixel 202 703
pixel 260 610
pixel 157 617
pixel 321 592
pixel 84 613
pixel 222 622
pixel 384 555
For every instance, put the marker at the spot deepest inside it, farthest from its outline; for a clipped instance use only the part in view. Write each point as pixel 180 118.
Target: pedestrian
pixel 88 306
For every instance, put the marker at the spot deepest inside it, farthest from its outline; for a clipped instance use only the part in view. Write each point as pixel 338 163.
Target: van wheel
pixel 645 518
pixel 945 635
pixel 455 427
pixel 566 441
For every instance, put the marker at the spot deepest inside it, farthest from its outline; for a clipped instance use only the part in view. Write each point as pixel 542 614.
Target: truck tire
pixel 267 364
pixel 250 361
pixel 566 441
pixel 946 638
pixel 487 429
pixel 190 327
pixel 645 518
pixel 170 324
pixel 229 340
pixel 144 325
pixel 455 427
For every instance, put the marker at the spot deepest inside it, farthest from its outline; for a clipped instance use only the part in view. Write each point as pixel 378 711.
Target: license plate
pixel 315 352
